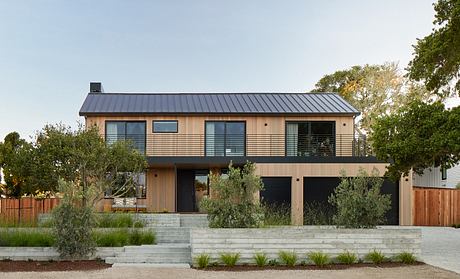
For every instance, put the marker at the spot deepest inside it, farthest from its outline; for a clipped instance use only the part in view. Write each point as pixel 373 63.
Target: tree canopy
pixel 437 56
pixel 374 90
pixel 418 136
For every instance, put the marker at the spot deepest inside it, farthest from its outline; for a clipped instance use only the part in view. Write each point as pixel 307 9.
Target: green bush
pixel 347 258
pixel 22 238
pixel 406 258
pixel 287 258
pixel 261 259
pixel 123 237
pixel 229 259
pixel 317 213
pixel 234 205
pixel 375 257
pixel 118 220
pixel 276 215
pixel 456 226
pixel 359 202
pixel 273 262
pixel 202 260
pixel 319 258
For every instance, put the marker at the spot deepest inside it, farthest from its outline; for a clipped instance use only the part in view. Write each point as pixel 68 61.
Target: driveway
pixel 419 272
pixel 441 247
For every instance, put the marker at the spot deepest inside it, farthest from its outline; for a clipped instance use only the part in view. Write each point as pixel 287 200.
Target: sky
pixel 51 50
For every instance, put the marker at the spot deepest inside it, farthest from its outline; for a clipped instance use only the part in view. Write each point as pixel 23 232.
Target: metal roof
pixel 215 103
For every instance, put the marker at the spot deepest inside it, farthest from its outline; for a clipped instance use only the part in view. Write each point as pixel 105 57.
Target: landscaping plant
pixel 261 259
pixel 317 213
pixel 347 258
pixel 319 258
pixel 375 257
pixel 359 202
pixel 233 204
pixel 229 259
pixel 118 220
pixel 406 258
pixel 123 237
pixel 276 214
pixel 288 258
pixel 273 262
pixel 22 238
pixel 202 260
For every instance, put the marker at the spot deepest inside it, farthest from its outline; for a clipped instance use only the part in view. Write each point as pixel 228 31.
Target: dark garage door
pixel 277 190
pixel 320 188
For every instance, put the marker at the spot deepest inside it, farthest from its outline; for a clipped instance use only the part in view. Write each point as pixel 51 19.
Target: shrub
pixel 118 220
pixel 235 205
pixel 276 215
pixel 202 261
pixel 20 238
pixel 123 237
pixel 457 186
pixel 375 257
pixel 319 258
pixel 261 259
pixel 288 258
pixel 456 226
pixel 72 224
pixel 359 202
pixel 317 213
pixel 347 258
pixel 229 259
pixel 406 258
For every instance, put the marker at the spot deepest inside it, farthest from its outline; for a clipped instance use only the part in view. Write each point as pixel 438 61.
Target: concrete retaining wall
pixel 48 253
pixel 303 240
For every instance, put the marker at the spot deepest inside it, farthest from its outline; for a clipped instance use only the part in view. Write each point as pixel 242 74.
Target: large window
pixel 225 138
pixel 310 138
pixel 128 185
pixel 133 131
pixel 165 126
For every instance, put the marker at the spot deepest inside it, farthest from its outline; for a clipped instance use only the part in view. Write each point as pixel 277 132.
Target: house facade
pixel 300 142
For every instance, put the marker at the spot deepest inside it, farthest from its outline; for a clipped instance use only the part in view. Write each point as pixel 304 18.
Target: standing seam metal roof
pixel 215 103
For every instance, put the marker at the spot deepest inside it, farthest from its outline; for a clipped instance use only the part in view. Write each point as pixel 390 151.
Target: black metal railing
pixel 320 145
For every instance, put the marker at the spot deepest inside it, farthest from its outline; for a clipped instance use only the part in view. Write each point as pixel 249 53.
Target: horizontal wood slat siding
pixel 25 209
pixel 436 207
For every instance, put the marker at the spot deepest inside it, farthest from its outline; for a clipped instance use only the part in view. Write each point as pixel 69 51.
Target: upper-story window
pixel 164 126
pixel 225 138
pixel 133 131
pixel 310 138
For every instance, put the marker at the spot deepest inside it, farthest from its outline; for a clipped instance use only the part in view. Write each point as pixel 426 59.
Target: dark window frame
pixel 443 173
pixel 167 132
pixel 128 121
pixel 225 136
pixel 334 132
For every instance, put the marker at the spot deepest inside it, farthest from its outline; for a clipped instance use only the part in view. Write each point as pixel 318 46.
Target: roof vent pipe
pixel 96 87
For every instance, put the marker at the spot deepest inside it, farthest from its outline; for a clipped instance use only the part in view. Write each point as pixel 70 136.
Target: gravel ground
pixel 441 247
pixel 418 272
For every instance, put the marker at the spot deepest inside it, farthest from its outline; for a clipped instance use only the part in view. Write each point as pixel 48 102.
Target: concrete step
pixel 153 254
pixel 160 220
pixel 160 248
pixel 194 220
pixel 172 235
pixel 151 265
pixel 151 260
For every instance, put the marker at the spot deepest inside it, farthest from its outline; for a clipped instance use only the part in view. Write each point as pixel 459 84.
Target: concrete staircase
pixel 173 242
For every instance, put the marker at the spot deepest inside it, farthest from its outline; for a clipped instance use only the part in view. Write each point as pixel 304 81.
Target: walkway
pixel 441 247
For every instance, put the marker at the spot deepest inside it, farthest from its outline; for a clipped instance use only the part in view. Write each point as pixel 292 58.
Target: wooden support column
pixel 405 200
pixel 297 200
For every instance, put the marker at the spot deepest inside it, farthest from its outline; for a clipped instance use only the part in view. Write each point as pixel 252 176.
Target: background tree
pixel 417 137
pixel 437 56
pixel 374 90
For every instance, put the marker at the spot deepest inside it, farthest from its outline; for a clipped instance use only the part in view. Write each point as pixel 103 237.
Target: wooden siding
pixel 436 207
pixel 161 190
pixel 255 125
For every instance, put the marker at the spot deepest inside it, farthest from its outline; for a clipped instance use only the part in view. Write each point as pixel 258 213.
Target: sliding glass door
pixel 133 131
pixel 310 138
pixel 225 138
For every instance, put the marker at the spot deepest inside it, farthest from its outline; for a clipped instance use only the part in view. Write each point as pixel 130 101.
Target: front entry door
pixel 192 186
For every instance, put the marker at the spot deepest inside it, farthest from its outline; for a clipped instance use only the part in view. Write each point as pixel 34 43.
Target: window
pixel 128 185
pixel 443 173
pixel 225 138
pixel 165 126
pixel 310 138
pixel 133 131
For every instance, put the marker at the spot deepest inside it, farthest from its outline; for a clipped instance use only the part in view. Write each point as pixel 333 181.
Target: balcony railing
pixel 247 145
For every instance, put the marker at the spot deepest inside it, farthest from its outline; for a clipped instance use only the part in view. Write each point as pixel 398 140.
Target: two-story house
pixel 300 143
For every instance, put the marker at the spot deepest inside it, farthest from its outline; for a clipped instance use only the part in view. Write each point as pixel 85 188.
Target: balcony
pixel 236 147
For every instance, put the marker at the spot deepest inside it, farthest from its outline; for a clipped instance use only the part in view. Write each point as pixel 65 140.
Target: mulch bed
pixel 304 267
pixel 41 266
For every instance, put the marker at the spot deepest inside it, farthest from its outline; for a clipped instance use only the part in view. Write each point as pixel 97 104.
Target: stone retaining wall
pixel 303 240
pixel 48 253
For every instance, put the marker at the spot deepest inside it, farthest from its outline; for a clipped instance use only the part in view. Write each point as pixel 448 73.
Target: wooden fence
pixel 25 210
pixel 436 207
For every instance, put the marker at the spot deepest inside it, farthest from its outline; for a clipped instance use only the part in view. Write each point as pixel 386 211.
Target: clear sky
pixel 51 50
